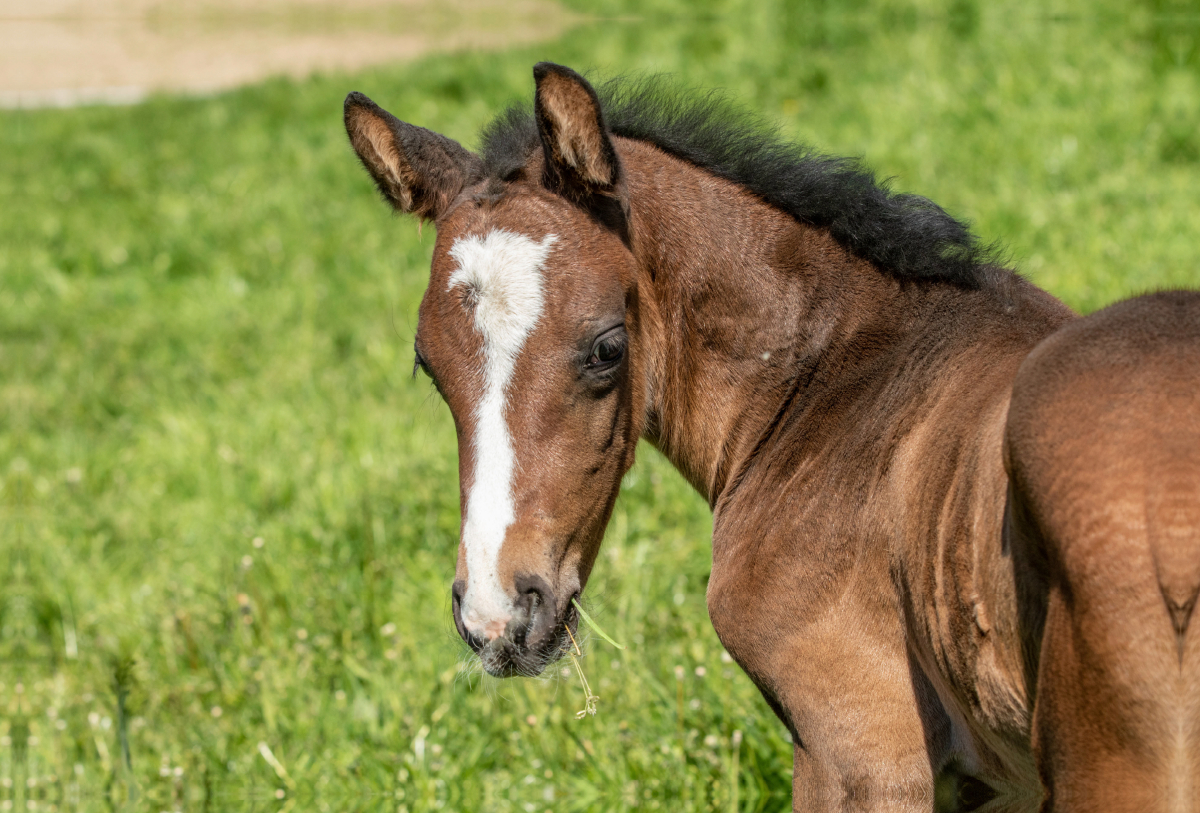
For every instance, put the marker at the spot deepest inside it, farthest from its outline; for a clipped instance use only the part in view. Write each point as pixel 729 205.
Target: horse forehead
pixel 498 255
pixel 498 278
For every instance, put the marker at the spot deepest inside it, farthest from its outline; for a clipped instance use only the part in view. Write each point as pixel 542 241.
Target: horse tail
pixel 1103 450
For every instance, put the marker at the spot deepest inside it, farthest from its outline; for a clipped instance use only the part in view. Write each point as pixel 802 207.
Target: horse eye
pixel 606 352
pixel 419 364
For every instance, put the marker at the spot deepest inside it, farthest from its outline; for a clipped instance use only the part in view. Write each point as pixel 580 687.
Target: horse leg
pixel 1116 720
pixel 1116 723
pixel 863 725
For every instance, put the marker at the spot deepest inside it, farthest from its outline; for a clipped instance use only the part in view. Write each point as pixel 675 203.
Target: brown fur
pixel 870 572
pixel 1104 449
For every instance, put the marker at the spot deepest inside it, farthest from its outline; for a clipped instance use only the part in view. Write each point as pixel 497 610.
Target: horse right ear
pixel 580 158
pixel 417 170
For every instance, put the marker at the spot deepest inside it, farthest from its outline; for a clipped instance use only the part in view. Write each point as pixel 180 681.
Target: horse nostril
pixel 456 596
pixel 524 608
pixel 535 601
pixel 531 591
pixel 527 602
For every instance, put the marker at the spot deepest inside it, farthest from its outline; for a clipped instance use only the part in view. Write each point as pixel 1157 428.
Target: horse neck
pixel 745 304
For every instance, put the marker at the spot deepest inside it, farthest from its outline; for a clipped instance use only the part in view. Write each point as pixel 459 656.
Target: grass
pixel 230 514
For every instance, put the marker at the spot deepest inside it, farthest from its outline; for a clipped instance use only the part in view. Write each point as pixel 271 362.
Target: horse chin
pixel 507 666
pixel 502 658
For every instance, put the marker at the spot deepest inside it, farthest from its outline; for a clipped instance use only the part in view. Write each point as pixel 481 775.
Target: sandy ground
pixel 67 52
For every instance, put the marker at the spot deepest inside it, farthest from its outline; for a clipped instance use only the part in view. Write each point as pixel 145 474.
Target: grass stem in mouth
pixel 589 704
pixel 574 643
pixel 595 627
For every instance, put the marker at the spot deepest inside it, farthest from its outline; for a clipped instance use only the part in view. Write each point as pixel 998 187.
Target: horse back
pixel 1103 452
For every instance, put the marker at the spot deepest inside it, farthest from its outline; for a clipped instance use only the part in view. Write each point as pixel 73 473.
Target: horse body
pixel 853 461
pixel 873 572
pixel 1104 448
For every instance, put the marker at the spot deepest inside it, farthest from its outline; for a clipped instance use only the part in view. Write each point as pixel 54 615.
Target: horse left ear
pixel 417 170
pixel 579 153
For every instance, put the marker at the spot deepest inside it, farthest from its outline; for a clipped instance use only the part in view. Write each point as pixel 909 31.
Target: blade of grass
pixel 595 627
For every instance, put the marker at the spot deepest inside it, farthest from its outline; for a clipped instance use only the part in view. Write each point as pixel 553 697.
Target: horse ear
pixel 575 140
pixel 417 170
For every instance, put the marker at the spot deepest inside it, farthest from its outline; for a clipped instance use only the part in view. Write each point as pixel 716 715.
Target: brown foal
pixel 831 365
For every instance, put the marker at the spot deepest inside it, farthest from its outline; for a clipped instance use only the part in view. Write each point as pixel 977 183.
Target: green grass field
pixel 230 515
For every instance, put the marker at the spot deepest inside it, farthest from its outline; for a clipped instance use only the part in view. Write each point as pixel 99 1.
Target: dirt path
pixel 68 52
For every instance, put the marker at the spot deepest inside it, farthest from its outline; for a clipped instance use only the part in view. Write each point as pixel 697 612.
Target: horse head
pixel 529 330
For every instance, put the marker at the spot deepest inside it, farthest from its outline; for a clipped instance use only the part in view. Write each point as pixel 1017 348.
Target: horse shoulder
pixel 956 575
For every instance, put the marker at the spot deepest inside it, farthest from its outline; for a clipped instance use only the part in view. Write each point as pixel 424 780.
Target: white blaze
pixel 502 275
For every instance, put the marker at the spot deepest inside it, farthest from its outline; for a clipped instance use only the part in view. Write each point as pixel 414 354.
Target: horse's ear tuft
pixel 575 140
pixel 417 170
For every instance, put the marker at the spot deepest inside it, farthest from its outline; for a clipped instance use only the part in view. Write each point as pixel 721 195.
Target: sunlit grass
pixel 230 514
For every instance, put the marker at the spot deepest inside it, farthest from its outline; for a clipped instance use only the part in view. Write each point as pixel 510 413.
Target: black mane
pixel 905 235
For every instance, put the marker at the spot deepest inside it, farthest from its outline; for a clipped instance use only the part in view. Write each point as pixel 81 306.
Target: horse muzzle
pixel 530 639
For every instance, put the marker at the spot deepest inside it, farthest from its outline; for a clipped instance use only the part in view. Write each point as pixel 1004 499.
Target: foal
pixel 829 364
